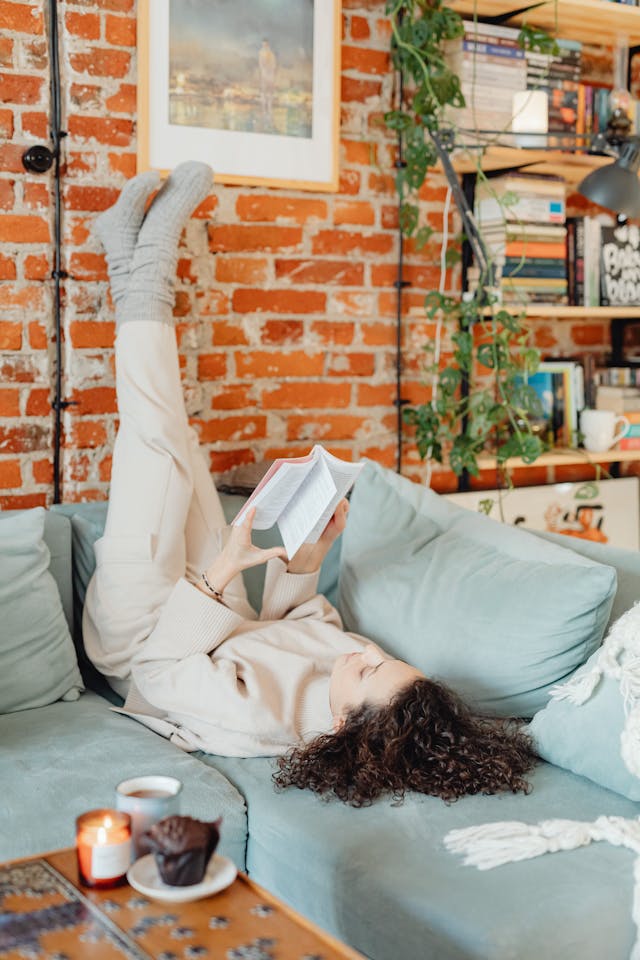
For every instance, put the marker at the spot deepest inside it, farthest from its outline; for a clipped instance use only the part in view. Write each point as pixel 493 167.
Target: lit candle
pixel 103 845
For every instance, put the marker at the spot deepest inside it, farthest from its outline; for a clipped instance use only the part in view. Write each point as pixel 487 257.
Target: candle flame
pixel 108 822
pixel 102 835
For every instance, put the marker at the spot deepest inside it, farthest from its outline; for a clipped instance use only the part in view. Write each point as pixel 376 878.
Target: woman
pixel 166 616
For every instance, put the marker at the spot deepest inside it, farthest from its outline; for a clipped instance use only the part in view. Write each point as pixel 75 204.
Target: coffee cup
pixel 601 429
pixel 147 800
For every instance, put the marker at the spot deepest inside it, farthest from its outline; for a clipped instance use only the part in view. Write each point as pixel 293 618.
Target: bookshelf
pixel 597 22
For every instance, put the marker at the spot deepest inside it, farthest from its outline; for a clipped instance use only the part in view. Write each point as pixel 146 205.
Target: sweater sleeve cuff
pixel 284 591
pixel 190 623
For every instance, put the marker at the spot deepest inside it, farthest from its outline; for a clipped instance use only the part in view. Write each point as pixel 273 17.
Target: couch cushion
pixel 381 879
pixel 625 562
pixel 499 614
pixel 61 760
pixel 37 660
pixel 57 537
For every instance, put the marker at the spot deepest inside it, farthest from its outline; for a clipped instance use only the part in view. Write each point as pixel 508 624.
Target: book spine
pixel 517 248
pixel 579 258
pixel 629 443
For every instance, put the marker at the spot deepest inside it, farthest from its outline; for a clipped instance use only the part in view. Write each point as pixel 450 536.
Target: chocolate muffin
pixel 182 848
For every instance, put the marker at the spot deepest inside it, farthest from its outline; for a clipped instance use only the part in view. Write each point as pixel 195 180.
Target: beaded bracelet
pixel 212 590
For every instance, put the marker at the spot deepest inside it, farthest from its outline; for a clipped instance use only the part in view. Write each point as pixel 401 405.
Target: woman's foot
pixel 150 294
pixel 117 228
pixel 184 190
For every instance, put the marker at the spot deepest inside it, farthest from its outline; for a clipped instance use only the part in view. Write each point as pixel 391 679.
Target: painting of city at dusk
pixel 251 87
pixel 244 65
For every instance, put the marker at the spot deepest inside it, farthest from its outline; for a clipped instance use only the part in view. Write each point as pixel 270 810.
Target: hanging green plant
pixel 481 401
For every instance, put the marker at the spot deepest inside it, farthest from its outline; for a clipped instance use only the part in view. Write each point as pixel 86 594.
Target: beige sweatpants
pixel 164 517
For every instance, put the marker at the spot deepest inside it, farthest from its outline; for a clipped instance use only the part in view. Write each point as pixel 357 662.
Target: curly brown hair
pixel 425 739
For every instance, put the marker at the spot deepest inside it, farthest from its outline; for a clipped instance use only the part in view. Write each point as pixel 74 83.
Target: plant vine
pixel 483 401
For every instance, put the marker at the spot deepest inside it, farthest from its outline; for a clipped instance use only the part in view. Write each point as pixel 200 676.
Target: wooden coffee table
pixel 44 912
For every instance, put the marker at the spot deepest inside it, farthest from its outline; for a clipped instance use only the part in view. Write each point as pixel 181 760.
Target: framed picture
pixel 251 87
pixel 604 512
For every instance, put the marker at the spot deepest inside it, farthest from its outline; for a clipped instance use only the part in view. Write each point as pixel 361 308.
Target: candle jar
pixel 103 845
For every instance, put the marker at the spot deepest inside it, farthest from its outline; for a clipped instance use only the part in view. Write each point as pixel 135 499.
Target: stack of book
pixel 522 219
pixel 559 76
pixel 631 439
pixel 618 390
pixel 491 67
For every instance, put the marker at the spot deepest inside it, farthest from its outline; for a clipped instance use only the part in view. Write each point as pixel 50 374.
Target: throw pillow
pixel 495 612
pixel 591 725
pixel 37 659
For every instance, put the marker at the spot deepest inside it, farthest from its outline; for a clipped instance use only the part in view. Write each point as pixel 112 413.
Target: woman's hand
pixel 309 557
pixel 238 554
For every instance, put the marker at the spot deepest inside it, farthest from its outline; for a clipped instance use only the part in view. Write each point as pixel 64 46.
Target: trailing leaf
pixel 480 398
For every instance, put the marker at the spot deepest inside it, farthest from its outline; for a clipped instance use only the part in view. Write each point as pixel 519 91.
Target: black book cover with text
pixel 620 266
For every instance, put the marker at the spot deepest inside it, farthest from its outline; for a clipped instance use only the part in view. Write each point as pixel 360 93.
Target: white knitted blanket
pixel 493 844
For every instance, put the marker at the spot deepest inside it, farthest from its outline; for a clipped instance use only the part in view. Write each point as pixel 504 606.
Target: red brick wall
pixel 285 302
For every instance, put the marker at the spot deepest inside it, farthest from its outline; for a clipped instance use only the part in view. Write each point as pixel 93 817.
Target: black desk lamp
pixel 616 186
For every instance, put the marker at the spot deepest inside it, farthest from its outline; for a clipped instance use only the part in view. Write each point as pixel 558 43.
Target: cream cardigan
pixel 214 677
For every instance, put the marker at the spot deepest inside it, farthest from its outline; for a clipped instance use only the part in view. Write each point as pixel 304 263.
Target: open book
pixel 300 495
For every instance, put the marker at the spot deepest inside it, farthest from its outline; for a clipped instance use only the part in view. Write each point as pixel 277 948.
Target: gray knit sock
pixel 117 229
pixel 150 294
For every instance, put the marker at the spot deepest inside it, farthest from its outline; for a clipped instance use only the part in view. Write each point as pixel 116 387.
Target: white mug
pixel 147 800
pixel 600 429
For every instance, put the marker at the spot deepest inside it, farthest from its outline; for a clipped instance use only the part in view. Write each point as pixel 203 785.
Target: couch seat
pixel 60 760
pixel 381 879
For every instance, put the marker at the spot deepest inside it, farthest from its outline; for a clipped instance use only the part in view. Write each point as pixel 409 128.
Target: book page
pixel 271 497
pixel 306 507
pixel 344 475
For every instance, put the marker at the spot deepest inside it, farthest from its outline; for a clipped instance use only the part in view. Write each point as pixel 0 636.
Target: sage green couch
pixel 379 878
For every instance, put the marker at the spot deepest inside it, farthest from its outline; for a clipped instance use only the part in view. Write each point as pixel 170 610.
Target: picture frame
pixel 251 87
pixel 605 512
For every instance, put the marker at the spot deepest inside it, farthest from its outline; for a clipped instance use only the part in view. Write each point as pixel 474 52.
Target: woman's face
pixel 370 676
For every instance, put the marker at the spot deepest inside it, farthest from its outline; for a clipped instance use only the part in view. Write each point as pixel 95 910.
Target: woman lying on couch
pixel 183 646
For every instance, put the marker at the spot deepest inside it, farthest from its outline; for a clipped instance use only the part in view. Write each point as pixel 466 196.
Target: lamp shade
pixel 616 186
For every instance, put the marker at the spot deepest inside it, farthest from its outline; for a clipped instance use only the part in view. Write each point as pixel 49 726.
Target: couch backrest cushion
pixel 38 664
pixel 57 537
pixel 626 563
pixel 495 612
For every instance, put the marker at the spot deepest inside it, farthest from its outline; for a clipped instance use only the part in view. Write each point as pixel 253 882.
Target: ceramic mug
pixel 147 800
pixel 600 429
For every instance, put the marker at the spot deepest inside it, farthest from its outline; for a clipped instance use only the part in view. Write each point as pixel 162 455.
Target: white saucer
pixel 144 877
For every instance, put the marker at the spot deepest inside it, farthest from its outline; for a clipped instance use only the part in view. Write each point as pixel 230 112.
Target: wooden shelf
pixel 582 313
pixel 542 311
pixel 591 21
pixel 566 458
pixel 572 167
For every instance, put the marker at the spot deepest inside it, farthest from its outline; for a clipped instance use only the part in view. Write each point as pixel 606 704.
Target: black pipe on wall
pixel 40 159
